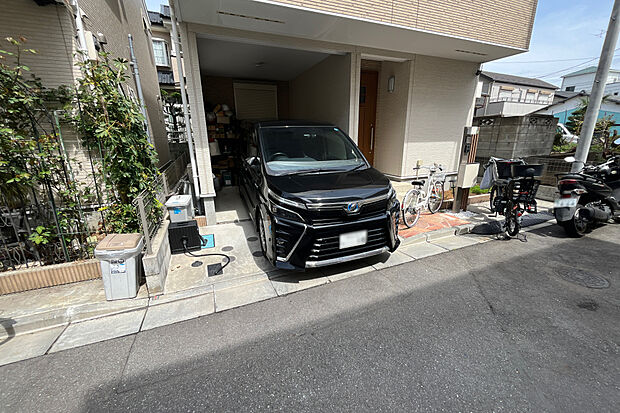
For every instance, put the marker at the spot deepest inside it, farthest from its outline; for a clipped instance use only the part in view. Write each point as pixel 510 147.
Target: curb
pixel 76 314
pixel 438 234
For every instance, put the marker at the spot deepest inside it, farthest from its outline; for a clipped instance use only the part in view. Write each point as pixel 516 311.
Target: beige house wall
pixel 115 19
pixel 322 93
pixel 391 117
pixel 472 19
pixel 50 30
pixel 442 94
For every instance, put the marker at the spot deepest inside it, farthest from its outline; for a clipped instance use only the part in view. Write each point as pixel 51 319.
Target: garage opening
pixel 245 82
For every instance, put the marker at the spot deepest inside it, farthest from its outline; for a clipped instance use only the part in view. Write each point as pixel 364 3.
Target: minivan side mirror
pixel 570 159
pixel 253 161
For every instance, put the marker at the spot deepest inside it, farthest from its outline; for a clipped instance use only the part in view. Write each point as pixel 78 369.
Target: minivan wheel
pixel 577 226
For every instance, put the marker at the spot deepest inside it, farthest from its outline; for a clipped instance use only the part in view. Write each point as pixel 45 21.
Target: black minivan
pixel 314 198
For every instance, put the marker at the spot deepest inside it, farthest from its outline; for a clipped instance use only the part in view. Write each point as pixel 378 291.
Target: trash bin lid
pixel 118 242
pixel 177 201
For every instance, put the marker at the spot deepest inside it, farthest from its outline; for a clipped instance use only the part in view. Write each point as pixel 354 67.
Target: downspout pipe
pixel 79 25
pixel 188 126
pixel 136 74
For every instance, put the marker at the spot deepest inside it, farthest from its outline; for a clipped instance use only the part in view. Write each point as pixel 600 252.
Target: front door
pixel 368 114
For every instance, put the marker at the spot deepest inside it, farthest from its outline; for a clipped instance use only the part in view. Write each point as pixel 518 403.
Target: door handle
pixel 372 137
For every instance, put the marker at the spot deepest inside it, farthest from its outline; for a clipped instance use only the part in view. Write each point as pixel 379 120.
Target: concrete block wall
pixel 515 137
pixel 156 265
pixel 503 22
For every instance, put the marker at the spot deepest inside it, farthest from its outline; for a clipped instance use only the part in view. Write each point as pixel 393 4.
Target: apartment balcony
pixel 510 108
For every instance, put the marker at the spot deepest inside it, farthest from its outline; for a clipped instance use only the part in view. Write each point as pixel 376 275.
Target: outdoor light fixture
pixel 391 82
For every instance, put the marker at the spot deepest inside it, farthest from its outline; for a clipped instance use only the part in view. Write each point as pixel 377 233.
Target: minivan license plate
pixel 565 203
pixel 353 239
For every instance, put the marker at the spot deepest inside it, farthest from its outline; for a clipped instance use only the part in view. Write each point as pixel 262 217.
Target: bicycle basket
pixel 527 171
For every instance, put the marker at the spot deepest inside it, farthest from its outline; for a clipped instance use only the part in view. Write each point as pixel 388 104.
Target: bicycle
pixel 514 192
pixel 427 193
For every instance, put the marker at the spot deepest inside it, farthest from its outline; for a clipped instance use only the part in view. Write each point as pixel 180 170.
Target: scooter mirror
pixel 569 159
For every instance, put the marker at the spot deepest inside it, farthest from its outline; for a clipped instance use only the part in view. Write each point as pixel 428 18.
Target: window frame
pixel 166 52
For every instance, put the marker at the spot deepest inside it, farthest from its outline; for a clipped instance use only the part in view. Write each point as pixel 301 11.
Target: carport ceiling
pixel 252 61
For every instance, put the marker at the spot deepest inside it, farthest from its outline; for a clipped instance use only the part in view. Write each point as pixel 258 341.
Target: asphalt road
pixel 491 327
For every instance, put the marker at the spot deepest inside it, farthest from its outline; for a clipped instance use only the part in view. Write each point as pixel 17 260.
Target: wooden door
pixel 368 114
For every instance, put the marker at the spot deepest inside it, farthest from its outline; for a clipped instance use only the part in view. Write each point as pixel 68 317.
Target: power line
pixel 569 68
pixel 547 61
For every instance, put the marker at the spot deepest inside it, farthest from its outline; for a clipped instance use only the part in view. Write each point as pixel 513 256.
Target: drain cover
pixel 589 305
pixel 584 279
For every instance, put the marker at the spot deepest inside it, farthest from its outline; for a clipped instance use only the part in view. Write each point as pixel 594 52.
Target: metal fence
pixel 151 216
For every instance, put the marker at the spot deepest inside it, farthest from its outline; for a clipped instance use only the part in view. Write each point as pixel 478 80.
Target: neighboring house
pixel 399 77
pixel 582 80
pixel 165 55
pixel 508 95
pixel 51 28
pixel 566 103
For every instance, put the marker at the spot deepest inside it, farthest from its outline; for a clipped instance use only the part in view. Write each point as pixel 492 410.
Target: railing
pixel 152 211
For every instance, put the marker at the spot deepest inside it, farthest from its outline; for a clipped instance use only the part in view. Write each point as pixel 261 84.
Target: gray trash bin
pixel 119 255
pixel 180 208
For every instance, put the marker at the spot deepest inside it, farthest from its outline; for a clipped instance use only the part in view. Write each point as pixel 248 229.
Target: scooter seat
pixel 417 182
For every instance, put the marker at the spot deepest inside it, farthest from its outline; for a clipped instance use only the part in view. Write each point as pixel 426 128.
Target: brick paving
pixel 431 222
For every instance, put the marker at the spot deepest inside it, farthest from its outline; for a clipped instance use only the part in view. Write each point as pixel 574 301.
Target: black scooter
pixel 588 197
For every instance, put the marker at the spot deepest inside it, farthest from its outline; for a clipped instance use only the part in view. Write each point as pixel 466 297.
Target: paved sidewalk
pixel 53 319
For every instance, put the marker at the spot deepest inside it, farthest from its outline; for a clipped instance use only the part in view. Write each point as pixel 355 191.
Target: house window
pixel 570 88
pixel 160 50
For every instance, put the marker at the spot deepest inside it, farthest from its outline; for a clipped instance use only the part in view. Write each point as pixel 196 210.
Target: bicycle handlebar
pixel 429 167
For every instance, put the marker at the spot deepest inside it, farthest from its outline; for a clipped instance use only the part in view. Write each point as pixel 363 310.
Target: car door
pixel 251 174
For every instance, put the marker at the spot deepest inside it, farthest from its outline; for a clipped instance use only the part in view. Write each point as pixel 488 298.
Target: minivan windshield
pixel 308 149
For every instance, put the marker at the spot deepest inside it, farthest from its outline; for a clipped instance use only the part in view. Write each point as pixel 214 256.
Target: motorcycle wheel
pixel 512 226
pixel 577 226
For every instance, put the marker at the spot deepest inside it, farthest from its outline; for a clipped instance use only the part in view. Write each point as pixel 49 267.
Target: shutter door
pixel 254 101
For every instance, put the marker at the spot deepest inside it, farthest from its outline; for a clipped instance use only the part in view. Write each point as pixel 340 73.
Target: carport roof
pixel 265 19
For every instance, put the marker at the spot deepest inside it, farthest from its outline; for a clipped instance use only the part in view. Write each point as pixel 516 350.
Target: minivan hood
pixel 330 187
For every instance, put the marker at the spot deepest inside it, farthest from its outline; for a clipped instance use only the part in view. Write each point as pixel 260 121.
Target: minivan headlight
pixel 392 195
pixel 284 213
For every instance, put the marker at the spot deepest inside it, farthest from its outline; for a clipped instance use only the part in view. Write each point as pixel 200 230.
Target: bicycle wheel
pixel 410 209
pixel 436 197
pixel 511 225
pixel 492 195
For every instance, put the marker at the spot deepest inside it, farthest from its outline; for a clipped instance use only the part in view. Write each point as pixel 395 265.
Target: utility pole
pixel 598 88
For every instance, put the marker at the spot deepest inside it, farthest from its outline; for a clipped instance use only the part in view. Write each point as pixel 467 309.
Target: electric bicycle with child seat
pixel 514 191
pixel 427 193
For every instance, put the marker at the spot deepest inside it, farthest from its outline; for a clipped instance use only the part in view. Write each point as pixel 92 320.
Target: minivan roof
pixel 282 123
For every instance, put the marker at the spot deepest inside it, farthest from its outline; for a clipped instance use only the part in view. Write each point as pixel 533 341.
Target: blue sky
pixel 567 36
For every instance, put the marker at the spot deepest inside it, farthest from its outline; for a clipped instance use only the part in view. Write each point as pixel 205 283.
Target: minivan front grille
pixel 325 247
pixel 326 216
